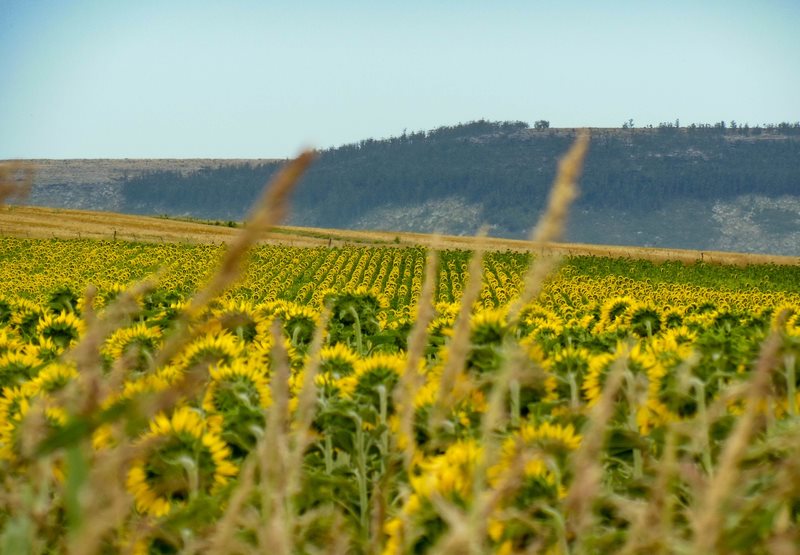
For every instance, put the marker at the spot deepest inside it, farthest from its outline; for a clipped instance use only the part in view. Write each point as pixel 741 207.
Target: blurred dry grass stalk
pixel 261 515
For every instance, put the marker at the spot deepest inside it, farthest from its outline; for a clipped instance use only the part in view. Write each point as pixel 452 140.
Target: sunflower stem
pixel 361 473
pixel 328 452
pixel 633 424
pixel 190 467
pixel 574 398
pixel 513 387
pixel 560 525
pixel 357 329
pixel 384 409
pixel 702 412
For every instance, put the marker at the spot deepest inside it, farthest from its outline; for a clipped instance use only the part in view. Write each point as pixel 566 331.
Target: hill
pixel 720 187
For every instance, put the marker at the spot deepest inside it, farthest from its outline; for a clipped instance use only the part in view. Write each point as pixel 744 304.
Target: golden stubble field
pixel 39 222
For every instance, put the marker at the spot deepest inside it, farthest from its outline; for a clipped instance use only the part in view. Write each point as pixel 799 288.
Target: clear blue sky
pixel 237 78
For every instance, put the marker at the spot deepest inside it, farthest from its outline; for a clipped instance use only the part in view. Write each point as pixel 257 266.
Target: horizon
pixel 250 81
pixel 648 127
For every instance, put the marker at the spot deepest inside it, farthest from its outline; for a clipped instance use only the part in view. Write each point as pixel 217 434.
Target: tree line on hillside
pixel 506 167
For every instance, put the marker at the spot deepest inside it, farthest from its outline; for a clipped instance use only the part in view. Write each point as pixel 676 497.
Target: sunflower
pixel 673 346
pixel 642 319
pixel 135 388
pixel 593 383
pixel 259 353
pixel 299 324
pixel 18 367
pixel 109 294
pixel 239 318
pixel 355 313
pixel 548 446
pixel 612 313
pixel 793 324
pixel 644 390
pixel 547 331
pixel 138 340
pixel 62 299
pixel 185 460
pixel 9 342
pixel 538 385
pixel 236 385
pixel 450 474
pixel 488 329
pixel 337 361
pixel 52 378
pixel 464 403
pixel 211 349
pixel 447 310
pixel 46 350
pixel 439 329
pixel 165 316
pixel 568 365
pixel 550 438
pixel 787 312
pixel 26 317
pixel 15 404
pixel 235 399
pixel 672 317
pixel 372 373
pixel 534 460
pixel 6 310
pixel 63 329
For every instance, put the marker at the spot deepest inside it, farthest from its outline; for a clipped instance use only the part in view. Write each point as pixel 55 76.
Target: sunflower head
pixel 337 360
pixel 299 324
pixel 235 399
pixel 138 342
pixel 62 299
pixel 63 329
pixel 439 330
pixel 9 342
pixel 47 350
pixel 239 318
pixel 15 407
pixel 538 385
pixel 376 372
pixel 547 332
pixel 793 325
pixel 612 312
pixel 727 320
pixel 488 330
pixel 569 360
pixel 54 377
pixel 26 317
pixel 355 311
pixel 183 460
pixel 211 349
pixel 784 314
pixel 6 311
pixel 17 367
pixel 643 319
pixel 593 383
pixel 672 317
pixel 450 474
pixel 544 447
pixel 109 294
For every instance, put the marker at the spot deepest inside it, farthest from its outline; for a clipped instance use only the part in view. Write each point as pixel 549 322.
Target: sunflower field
pixel 393 400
